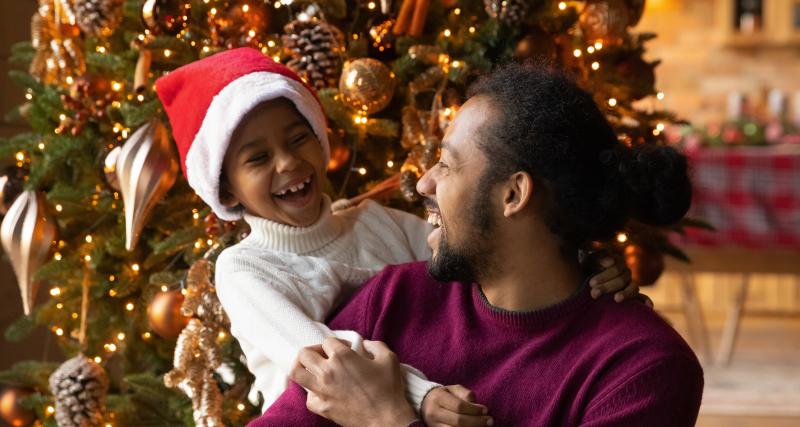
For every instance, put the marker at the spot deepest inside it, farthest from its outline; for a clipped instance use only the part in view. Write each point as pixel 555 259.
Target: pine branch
pixel 29 373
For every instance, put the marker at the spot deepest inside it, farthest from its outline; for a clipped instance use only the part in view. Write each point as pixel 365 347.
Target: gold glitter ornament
pixel 605 21
pixel 146 169
pixel 367 85
pixel 27 232
pixel 56 39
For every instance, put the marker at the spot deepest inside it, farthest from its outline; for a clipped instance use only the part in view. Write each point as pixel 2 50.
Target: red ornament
pixel 646 264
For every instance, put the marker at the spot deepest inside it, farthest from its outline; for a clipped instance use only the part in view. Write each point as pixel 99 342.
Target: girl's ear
pixel 226 196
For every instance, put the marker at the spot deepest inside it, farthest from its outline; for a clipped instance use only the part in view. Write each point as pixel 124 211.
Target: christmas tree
pixel 98 216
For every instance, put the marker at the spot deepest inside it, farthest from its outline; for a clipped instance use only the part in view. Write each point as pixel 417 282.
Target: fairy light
pixel 59 332
pixel 57 256
pixel 656 132
pixel 70 80
pixel 622 237
pixel 277 5
pixel 60 306
pixel 167 53
pixel 221 335
pixel 88 238
pixel 146 336
pixel 240 406
pixel 129 306
pixel 612 102
pixel 100 49
pixel 270 43
pixel 59 208
pixel 446 32
pixel 577 53
pixel 74 315
pixel 116 86
pixel 390 164
pixel 121 336
pixel 112 292
pixel 598 45
pixel 135 267
pixel 140 97
pixel 455 64
pixel 371 5
pixel 209 242
pixel 251 33
pixel 97 359
pixel 472 30
pixel 660 127
pixel 457 11
pixel 110 347
pixel 28 96
pixel 245 8
pixel 213 11
pixel 198 244
pixel 276 58
pixel 41 146
pixel 660 96
pixel 50 410
pixel 562 5
pixel 164 288
pixel 196 215
pixel 206 48
pixel 595 65
pixel 87 258
pixel 184 292
pixel 362 171
pixel 590 49
pixel 55 291
pixel 112 278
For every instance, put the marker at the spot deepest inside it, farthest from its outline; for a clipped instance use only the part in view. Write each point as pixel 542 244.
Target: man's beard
pixel 469 260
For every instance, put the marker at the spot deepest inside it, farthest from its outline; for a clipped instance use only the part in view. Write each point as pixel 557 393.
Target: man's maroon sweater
pixel 578 363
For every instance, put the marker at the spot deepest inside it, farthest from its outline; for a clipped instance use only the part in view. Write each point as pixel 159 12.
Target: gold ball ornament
pixel 605 21
pixel 165 16
pixel 367 85
pixel 11 410
pixel 164 314
pixel 27 232
pixel 646 264
pixel 146 169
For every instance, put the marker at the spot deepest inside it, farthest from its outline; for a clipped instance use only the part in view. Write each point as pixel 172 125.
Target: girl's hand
pixel 453 406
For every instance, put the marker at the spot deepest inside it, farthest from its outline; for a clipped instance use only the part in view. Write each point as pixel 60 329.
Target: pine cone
pixel 98 17
pixel 315 48
pixel 79 386
pixel 408 185
pixel 509 12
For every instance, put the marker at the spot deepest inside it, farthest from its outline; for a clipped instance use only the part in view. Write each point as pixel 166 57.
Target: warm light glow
pixel 184 292
pixel 446 32
pixel 57 256
pixel 167 53
pixel 612 102
pixel 660 96
pixel 213 11
pixel 577 53
pixel 55 291
pixel 100 49
pixel 457 11
pixel 251 33
pixel 277 4
pixel 656 132
pixel 59 332
pixel 221 335
pixel 28 96
pixel 41 145
pixel 595 65
pixel 206 48
pixel 146 336
pixel 562 5
pixel 390 164
pixel 209 242
pixel 622 237
pixel 240 406
pixel 74 315
pixel 135 267
pixel 276 58
pixel 50 410
pixel 97 359
pixel 140 97
pixel 87 258
pixel 245 8
pixel 59 306
pixel 59 208
pixel 111 347
pixel 129 306
pixel 456 64
pixel 660 127
pixel 121 336
pixel 371 5
pixel 164 288
pixel 112 292
pixel 116 86
pixel 111 278
pixel 198 244
pixel 70 80
pixel 362 171
pixel 88 238
pixel 590 49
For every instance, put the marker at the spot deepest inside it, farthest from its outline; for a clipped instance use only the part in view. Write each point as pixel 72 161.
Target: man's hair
pixel 590 183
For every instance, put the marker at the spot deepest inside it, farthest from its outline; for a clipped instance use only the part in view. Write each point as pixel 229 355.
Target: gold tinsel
pixel 56 38
pixel 197 352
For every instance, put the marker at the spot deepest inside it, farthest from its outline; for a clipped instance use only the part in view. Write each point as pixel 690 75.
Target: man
pixel 530 171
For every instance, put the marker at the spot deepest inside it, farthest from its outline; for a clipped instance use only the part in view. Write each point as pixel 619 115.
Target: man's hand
pixel 351 389
pixel 454 406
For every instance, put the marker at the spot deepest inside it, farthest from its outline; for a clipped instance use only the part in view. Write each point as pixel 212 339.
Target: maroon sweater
pixel 580 362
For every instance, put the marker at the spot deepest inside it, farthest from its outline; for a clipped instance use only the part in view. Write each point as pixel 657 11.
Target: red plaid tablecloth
pixel 751 195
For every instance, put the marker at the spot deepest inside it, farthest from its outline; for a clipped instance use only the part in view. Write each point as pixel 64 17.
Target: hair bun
pixel 657 183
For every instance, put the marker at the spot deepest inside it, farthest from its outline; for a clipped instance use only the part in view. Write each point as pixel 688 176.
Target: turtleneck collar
pixel 274 236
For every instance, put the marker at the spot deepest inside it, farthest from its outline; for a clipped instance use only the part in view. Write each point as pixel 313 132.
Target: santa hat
pixel 207 99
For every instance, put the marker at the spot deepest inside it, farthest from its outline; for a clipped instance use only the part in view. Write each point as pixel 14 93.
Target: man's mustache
pixel 430 204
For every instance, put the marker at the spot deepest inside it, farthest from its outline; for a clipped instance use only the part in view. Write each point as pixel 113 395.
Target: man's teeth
pixel 434 219
pixel 294 188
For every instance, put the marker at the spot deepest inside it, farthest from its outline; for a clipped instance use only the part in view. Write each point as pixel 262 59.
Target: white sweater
pixel 280 282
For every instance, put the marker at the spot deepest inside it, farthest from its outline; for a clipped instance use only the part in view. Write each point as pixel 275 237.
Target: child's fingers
pixel 631 291
pixel 461 392
pixel 447 418
pixel 604 276
pixel 461 406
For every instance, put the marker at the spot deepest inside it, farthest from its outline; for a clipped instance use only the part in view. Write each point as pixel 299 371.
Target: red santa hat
pixel 207 99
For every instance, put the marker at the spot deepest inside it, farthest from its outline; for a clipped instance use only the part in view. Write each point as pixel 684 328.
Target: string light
pixel 146 336
pixel 41 145
pixel 622 237
pixel 362 171
pixel 271 43
pixel 598 45
pixel 100 49
pixel 167 53
pixel 110 347
pixel 221 335
pixel 471 30
pixel 371 5
pixel 55 291
pixel 206 48
pixel 59 332
pixel 390 164
pixel 577 53
pixel 50 410
pixel 135 267
pixel 57 256
pixel 660 96
pixel 184 292
pixel 209 242
pixel 562 5
pixel 251 33
pixel 612 102
pixel 660 127
pixel 245 7
pixel 74 315
pixel 277 4
pixel 121 336
pixel 111 278
pixel 129 306
pixel 446 32
pixel 28 96
pixel 456 64
pixel 595 65
pixel 590 49
pixel 457 11
pixel 116 86
pixel 164 288
pixel 140 97
pixel 88 238
pixel 112 292
pixel 656 132
pixel 87 258
pixel 59 208
pixel 59 306
pixel 69 80
pixel 213 11
pixel 240 406
pixel 97 359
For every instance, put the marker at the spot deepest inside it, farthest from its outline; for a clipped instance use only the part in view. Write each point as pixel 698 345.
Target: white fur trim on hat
pixel 229 106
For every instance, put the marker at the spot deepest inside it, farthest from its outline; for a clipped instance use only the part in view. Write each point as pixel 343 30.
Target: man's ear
pixel 518 193
pixel 226 196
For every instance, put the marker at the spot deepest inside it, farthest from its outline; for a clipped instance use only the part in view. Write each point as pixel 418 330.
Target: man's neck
pixel 531 274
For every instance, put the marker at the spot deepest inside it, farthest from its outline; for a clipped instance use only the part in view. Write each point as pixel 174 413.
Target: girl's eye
pixel 299 139
pixel 258 158
pixel 441 164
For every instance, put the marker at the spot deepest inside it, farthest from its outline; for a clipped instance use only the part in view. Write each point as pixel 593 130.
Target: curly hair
pixel 549 127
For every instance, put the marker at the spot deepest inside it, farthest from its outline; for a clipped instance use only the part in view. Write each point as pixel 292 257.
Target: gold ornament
pixel 98 17
pixel 10 187
pixel 80 387
pixel 27 233
pixel 340 150
pixel 142 70
pixel 146 169
pixel 605 21
pixel 197 352
pixel 110 168
pixel 646 264
pixel 367 85
pixel 242 23
pixel 11 410
pixel 165 316
pixel 166 16
pixel 56 38
pixel 381 37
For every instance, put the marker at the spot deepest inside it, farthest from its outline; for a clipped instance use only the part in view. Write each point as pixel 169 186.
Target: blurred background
pixel 731 70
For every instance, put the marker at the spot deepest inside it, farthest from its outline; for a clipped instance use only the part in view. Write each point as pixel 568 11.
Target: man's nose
pixel 426 186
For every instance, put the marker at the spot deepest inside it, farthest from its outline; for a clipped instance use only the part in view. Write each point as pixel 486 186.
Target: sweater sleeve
pixel 665 393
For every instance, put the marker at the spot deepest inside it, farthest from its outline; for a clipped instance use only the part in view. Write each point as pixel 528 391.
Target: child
pixel 253 145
